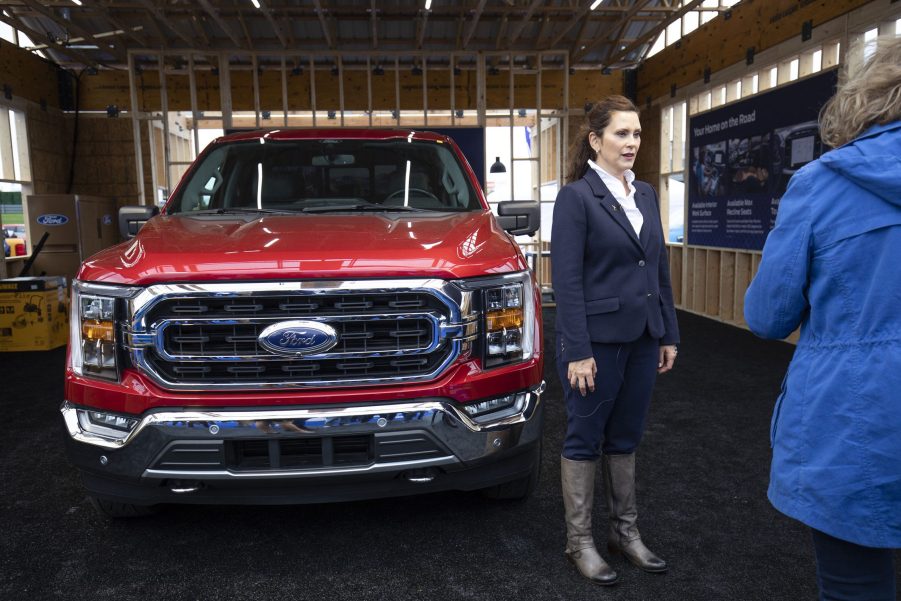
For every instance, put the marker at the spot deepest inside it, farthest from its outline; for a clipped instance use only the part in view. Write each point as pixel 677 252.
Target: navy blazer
pixel 609 284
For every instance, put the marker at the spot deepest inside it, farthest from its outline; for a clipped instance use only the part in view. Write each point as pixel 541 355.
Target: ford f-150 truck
pixel 314 315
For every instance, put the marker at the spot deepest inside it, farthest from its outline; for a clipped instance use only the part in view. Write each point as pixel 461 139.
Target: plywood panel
pixel 742 280
pixel 712 283
pixel 698 284
pixel 675 269
pixel 727 286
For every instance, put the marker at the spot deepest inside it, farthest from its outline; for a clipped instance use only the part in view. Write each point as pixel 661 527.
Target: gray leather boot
pixel 578 498
pixel 619 485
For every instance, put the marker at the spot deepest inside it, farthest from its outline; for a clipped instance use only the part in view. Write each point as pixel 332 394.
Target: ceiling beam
pixel 264 8
pixel 421 25
pixel 373 19
pixel 159 17
pixel 323 23
pixel 68 26
pixel 517 30
pixel 103 9
pixel 212 12
pixel 575 20
pixel 652 33
pixel 14 21
pixel 477 14
pixel 604 38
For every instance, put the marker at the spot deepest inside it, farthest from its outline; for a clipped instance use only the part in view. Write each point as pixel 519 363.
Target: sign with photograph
pixel 741 157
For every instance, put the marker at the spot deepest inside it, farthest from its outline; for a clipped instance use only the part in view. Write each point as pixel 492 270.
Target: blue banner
pixel 741 157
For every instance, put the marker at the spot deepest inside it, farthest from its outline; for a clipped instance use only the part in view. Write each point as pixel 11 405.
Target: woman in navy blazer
pixel 616 329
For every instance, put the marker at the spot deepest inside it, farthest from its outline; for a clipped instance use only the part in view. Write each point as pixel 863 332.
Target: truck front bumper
pixel 310 454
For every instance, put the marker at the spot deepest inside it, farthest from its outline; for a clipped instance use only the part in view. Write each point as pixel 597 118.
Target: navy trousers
pixel 850 572
pixel 611 419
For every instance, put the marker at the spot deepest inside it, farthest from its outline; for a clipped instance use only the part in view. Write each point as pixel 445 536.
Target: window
pixel 15 173
pixel 672 166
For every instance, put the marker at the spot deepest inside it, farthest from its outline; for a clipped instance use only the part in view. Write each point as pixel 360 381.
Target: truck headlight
pixel 94 349
pixel 509 322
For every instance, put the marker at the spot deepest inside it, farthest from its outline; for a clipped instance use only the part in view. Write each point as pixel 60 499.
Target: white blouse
pixel 627 201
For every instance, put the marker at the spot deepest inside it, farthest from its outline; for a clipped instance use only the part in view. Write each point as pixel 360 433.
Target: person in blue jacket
pixel 831 266
pixel 616 329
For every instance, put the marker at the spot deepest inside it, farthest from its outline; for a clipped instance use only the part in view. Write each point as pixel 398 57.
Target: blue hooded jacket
pixel 832 265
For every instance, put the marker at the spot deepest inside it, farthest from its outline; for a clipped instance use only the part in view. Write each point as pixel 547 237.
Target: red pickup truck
pixel 315 315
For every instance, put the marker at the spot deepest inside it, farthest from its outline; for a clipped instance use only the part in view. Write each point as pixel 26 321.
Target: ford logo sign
pixel 53 219
pixel 298 338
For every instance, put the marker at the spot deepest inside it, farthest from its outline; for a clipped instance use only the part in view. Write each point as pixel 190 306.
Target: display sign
pixel 742 156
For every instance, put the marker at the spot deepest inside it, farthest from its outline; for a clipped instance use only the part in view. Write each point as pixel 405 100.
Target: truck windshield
pixel 327 175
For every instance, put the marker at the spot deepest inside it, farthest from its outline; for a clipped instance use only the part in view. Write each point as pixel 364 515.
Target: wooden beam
pixel 323 23
pixel 421 25
pixel 211 10
pixel 475 22
pixel 161 18
pixel 605 37
pixel 373 19
pixel 67 26
pixel 17 23
pixel 103 8
pixel 264 8
pixel 517 30
pixel 577 18
pixel 652 33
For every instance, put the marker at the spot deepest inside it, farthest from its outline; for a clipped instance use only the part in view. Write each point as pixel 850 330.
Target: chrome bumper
pixel 455 437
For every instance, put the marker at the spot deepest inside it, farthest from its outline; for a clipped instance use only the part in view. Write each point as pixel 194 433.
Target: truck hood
pixel 183 247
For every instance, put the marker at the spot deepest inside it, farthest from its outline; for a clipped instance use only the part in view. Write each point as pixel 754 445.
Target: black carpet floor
pixel 703 471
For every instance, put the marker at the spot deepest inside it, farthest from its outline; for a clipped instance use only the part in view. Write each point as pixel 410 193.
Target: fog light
pixel 494 409
pixel 106 425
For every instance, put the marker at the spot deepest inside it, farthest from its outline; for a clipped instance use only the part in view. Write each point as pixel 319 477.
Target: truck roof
pixel 332 133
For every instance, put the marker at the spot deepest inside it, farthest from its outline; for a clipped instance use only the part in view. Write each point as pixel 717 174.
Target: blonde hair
pixel 597 119
pixel 869 95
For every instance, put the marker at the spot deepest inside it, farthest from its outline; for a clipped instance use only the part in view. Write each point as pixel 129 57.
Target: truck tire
pixel 115 509
pixel 519 489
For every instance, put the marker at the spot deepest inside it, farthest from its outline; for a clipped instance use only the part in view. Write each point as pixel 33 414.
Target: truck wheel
pixel 115 509
pixel 517 489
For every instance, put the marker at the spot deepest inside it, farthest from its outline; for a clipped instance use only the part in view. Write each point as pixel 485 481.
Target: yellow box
pixel 34 313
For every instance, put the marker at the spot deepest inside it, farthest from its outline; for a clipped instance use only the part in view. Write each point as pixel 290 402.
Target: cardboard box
pixel 34 313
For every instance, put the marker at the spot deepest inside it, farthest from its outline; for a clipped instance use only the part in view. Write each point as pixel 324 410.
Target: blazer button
pixel 641 263
pixel 650 295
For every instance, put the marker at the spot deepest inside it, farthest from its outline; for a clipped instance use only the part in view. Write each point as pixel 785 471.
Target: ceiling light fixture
pixel 256 3
pixel 595 4
pixel 76 2
pixel 428 4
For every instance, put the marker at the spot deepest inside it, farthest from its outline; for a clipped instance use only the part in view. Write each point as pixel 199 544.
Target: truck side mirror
pixel 131 219
pixel 519 217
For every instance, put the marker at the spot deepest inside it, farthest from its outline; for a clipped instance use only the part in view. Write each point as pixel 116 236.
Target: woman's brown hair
pixel 596 119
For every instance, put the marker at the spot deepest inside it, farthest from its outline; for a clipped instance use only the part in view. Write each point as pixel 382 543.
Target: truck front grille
pixel 208 336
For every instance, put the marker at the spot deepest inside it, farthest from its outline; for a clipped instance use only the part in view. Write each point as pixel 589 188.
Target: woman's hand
pixel 667 358
pixel 581 375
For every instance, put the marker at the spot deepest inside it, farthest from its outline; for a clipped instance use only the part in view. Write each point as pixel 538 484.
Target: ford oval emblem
pixel 53 219
pixel 298 338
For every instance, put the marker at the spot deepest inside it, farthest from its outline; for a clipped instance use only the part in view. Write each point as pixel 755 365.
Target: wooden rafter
pixel 103 9
pixel 48 13
pixel 267 13
pixel 604 38
pixel 421 25
pixel 214 14
pixel 160 17
pixel 320 12
pixel 14 21
pixel 374 22
pixel 652 33
pixel 477 14
pixel 517 29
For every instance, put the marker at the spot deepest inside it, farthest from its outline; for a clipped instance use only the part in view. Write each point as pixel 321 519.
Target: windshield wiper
pixel 368 206
pixel 245 210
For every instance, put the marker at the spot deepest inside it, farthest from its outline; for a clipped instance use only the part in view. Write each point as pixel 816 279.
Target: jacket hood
pixel 872 161
pixel 188 247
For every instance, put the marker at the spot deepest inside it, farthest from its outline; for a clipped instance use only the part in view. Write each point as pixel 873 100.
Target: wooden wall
pixel 758 24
